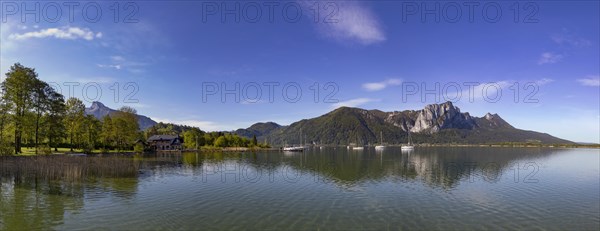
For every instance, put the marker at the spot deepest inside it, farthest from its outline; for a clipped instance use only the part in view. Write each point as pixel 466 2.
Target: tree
pixel 193 138
pixel 4 114
pixel 221 142
pixel 17 88
pixel 125 127
pixel 55 122
pixel 75 113
pixel 91 127
pixel 107 133
pixel 40 100
pixel 254 141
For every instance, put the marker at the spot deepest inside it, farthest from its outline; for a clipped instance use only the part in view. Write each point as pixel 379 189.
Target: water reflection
pixel 38 192
pixel 45 192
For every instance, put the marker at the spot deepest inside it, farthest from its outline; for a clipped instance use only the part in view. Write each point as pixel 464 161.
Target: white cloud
pixel 117 58
pixel 565 37
pixel 549 57
pixel 592 81
pixel 543 81
pixel 71 33
pixel 354 102
pixel 118 67
pixel 487 90
pixel 351 22
pixel 121 63
pixel 100 80
pixel 376 86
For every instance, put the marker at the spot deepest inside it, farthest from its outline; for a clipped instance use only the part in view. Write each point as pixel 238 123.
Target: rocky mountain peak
pixel 435 117
pixel 99 110
pixel 97 105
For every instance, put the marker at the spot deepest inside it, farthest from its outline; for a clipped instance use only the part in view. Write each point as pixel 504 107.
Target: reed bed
pixel 67 168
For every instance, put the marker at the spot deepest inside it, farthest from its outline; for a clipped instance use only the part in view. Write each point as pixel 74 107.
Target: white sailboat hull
pixel 293 149
pixel 407 147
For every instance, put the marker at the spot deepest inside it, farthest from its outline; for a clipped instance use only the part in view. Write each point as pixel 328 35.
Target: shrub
pixel 44 149
pixel 138 148
pixel 6 149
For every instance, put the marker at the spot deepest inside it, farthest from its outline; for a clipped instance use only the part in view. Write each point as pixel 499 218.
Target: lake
pixel 435 188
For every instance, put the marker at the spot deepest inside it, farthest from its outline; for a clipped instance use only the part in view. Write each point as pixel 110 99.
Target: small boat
pixel 294 149
pixel 380 146
pixel 409 146
pixel 356 146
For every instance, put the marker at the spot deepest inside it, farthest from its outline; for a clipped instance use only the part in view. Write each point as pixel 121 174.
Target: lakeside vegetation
pixel 36 119
pixel 194 138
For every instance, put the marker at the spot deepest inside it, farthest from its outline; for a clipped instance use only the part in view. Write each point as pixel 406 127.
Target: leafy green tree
pixel 4 117
pixel 107 134
pixel 41 103
pixel 92 128
pixel 125 127
pixel 55 127
pixel 75 113
pixel 17 89
pixel 221 142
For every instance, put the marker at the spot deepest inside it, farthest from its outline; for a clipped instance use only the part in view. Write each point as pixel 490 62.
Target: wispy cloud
pixel 567 38
pixel 352 21
pixel 354 102
pixel 485 90
pixel 117 58
pixel 549 57
pixel 119 62
pixel 592 81
pixel 100 80
pixel 118 67
pixel 376 86
pixel 70 33
pixel 543 81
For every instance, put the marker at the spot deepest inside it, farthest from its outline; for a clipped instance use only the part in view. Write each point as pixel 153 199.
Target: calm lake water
pixel 428 188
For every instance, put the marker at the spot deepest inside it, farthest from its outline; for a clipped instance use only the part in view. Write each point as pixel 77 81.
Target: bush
pixel 138 148
pixel 44 149
pixel 6 149
pixel 88 149
pixel 104 150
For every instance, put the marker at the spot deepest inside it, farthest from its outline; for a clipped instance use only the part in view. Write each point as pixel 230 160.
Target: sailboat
pixel 380 146
pixel 409 146
pixel 296 148
pixel 358 147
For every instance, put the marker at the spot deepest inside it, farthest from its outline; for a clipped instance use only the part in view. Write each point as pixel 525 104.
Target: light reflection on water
pixel 429 188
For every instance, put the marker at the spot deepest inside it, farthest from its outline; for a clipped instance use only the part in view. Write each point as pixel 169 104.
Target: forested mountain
pixel 436 123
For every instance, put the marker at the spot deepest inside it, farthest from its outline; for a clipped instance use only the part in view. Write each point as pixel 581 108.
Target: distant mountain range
pixel 436 123
pixel 99 111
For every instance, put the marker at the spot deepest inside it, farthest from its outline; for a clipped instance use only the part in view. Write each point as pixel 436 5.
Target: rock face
pixel 99 110
pixel 435 117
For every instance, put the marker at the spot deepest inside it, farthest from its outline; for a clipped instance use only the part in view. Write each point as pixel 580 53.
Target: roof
pixel 162 138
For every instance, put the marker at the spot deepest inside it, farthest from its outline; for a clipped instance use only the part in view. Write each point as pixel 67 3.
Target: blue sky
pixel 369 54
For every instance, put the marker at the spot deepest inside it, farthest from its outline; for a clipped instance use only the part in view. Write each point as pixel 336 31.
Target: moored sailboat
pixel 409 146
